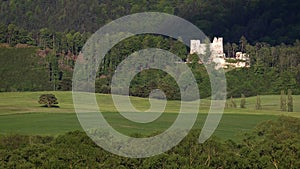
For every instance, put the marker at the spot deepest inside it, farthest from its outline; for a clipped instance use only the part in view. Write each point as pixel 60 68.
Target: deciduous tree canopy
pixel 48 99
pixel 272 144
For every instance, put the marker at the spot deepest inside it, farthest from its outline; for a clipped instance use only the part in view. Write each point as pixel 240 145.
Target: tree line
pixel 59 42
pixel 286 102
pixel 272 68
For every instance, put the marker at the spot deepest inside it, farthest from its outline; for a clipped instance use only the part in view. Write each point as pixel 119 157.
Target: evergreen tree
pixel 243 42
pixel 226 105
pixel 232 103
pixel 243 101
pixel 290 101
pixel 282 101
pixel 258 103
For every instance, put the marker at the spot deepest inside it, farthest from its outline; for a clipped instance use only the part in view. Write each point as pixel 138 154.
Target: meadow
pixel 20 113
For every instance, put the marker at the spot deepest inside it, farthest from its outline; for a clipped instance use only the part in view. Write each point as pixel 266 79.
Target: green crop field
pixel 20 113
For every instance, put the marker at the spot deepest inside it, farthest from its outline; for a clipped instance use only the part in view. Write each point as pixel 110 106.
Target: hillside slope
pixel 273 21
pixel 22 70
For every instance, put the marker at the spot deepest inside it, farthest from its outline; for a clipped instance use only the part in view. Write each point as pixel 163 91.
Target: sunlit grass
pixel 27 102
pixel 21 113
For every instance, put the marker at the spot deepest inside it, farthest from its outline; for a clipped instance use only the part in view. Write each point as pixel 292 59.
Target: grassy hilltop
pixel 20 113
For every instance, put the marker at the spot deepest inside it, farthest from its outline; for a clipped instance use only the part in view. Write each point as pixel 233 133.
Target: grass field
pixel 20 113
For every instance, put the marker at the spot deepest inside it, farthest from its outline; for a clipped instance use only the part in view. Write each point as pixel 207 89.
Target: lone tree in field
pixel 48 100
pixel 282 101
pixel 290 101
pixel 243 101
pixel 258 103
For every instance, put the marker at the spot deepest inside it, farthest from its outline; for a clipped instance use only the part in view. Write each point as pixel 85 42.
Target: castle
pixel 218 55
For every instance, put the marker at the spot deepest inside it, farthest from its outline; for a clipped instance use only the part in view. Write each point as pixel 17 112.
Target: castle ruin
pixel 218 55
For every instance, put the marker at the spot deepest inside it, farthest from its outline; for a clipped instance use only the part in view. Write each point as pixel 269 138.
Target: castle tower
pixel 195 46
pixel 217 48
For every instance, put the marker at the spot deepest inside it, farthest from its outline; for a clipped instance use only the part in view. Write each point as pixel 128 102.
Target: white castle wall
pixel 216 47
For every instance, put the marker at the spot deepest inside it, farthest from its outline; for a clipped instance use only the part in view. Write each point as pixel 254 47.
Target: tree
pixel 232 102
pixel 3 33
pixel 48 100
pixel 228 49
pixel 234 48
pixel 242 44
pixel 46 38
pixel 11 30
pixel 243 101
pixel 65 84
pixel 258 103
pixel 77 42
pixel 282 101
pixel 290 101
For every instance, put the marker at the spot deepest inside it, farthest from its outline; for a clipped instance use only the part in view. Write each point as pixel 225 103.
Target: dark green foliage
pixel 290 101
pixel 271 144
pixel 22 70
pixel 54 71
pixel 243 101
pixel 273 21
pixel 231 61
pixel 31 69
pixel 274 144
pixel 258 103
pixel 48 100
pixel 65 84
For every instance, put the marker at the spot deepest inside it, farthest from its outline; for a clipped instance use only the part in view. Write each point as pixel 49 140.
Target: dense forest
pixel 273 68
pixel 267 31
pixel 273 21
pixel 272 144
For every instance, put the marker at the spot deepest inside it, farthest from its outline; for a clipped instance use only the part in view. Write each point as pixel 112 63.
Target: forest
pixel 267 31
pixel 273 21
pixel 273 68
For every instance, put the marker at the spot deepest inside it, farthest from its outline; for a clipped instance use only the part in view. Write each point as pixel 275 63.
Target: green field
pixel 20 113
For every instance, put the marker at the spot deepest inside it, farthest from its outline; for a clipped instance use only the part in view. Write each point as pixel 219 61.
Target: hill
pixel 273 21
pixel 20 113
pixel 22 70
